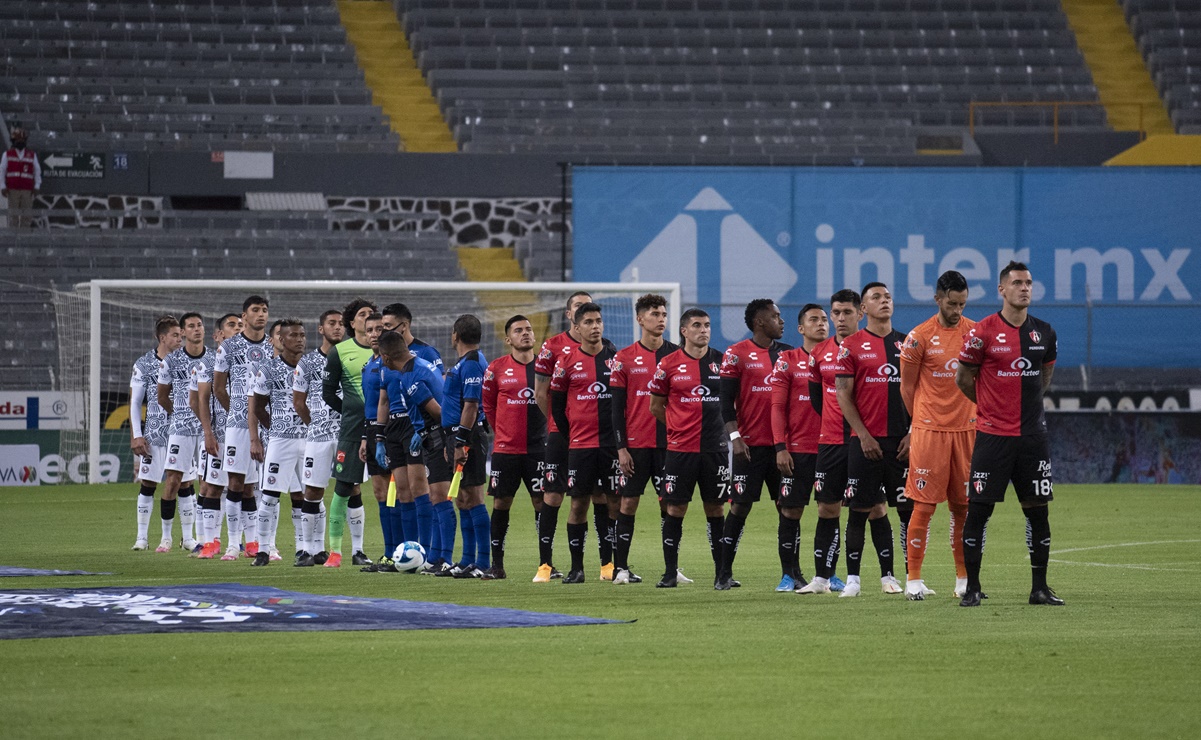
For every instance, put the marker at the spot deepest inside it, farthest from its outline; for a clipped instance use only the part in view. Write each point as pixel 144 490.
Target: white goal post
pixel 103 326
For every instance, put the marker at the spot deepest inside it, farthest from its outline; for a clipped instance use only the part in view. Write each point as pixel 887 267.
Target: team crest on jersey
pixel 782 366
pixel 897 345
pixel 560 372
pixel 730 359
pixel 1035 337
pixel 488 375
pixel 976 343
pixel 843 353
pixel 615 365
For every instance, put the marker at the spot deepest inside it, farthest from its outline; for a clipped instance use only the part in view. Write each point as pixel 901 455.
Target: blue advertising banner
pixel 1111 250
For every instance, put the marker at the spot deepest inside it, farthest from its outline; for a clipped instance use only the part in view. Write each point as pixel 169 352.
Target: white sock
pixel 268 521
pixel 319 531
pixel 250 521
pixel 145 508
pixel 167 526
pixel 355 518
pixel 298 528
pixel 308 525
pixel 233 522
pixel 187 517
pixel 852 579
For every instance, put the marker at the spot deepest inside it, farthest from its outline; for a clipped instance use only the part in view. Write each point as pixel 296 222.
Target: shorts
pixel 237 450
pixel 510 471
pixel 554 463
pixel 871 482
pixel 398 432
pixel 749 477
pixel 830 476
pixel 319 462
pixel 182 453
pixel 794 489
pixel 648 468
pixel 434 451
pixel 940 463
pixel 348 468
pixel 1024 461
pixel 150 467
pixel 592 470
pixel 212 471
pixel 475 470
pixel 283 466
pixel 684 471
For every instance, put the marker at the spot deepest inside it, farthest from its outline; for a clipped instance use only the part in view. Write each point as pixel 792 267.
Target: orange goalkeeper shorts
pixel 940 465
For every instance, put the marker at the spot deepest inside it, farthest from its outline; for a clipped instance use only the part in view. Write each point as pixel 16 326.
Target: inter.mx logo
pixel 717 257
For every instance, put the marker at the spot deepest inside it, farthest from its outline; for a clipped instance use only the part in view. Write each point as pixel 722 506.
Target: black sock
pixel 186 491
pixel 825 543
pixel 856 537
pixel 576 536
pixel 731 535
pixel 625 535
pixel 600 519
pixel 166 509
pixel 1038 542
pixel 547 523
pixel 314 507
pixel 231 495
pixel 796 548
pixel 248 503
pixel 786 538
pixel 500 530
pixel 210 503
pixel 974 528
pixel 882 539
pixel 146 491
pixel 713 528
pixel 673 528
pixel 904 513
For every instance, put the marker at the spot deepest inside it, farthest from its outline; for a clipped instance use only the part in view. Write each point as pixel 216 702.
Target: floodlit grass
pixel 1122 659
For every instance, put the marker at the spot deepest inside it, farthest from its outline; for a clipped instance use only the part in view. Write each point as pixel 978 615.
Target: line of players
pixel 846 416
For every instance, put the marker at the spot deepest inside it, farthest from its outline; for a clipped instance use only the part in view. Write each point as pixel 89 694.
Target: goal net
pixel 105 325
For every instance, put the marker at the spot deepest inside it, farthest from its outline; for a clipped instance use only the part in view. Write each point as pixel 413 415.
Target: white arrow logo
pixel 57 161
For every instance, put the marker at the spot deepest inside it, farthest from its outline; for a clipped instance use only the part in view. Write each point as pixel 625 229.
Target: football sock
pixel 856 537
pixel 356 522
pixel 467 529
pixel 385 525
pixel 713 529
pixel 576 536
pixel 730 537
pixel 974 528
pixel 500 530
pixel 1038 542
pixel 625 536
pixel 337 522
pixel 319 527
pixel 958 517
pixel 233 517
pixel 268 519
pixel 145 508
pixel 408 513
pixel 297 525
pixel 600 518
pixel 445 512
pixel 882 539
pixel 425 522
pixel 308 526
pixel 166 512
pixel 396 519
pixel 548 521
pixel 787 535
pixel 673 527
pixel 250 517
pixel 187 512
pixel 904 514
pixel 825 546
pixel 210 519
pixel 918 535
pixel 483 531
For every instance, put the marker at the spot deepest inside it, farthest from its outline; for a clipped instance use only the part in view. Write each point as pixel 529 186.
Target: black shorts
pixel 554 463
pixel 871 482
pixel 794 490
pixel 510 471
pixel 648 468
pixel 830 475
pixel 998 461
pixel 438 468
pixel 592 470
pixel 398 433
pixel 749 477
pixel 684 471
pixel 475 470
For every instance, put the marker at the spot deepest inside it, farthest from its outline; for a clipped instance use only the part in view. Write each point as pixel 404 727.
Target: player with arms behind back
pixel 150 446
pixel 1009 356
pixel 185 438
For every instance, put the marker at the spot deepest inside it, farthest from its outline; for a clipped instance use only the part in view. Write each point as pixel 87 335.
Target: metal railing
pixel 1055 107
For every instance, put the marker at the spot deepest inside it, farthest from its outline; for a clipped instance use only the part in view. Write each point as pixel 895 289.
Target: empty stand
pixel 1169 36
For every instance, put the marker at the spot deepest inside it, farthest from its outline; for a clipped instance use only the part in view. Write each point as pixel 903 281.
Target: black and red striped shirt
pixel 875 364
pixel 823 370
pixel 552 350
pixel 1009 390
pixel 746 388
pixel 795 424
pixel 633 425
pixel 692 388
pixel 581 399
pixel 508 400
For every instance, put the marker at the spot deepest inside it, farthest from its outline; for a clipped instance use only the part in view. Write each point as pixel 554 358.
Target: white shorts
pixel 237 450
pixel 319 462
pixel 183 453
pixel 150 469
pixel 212 471
pixel 283 466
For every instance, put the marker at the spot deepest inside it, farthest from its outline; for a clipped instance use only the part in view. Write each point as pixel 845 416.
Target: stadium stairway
pixel 497 264
pixel 391 72
pixel 1119 71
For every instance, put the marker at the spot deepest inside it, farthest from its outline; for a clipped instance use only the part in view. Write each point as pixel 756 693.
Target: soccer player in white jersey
pixel 236 361
pixel 149 445
pixel 212 424
pixel 184 431
pixel 321 443
pixel 270 407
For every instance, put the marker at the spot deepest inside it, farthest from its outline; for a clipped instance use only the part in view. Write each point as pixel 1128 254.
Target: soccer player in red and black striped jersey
pixel 641 439
pixel 519 429
pixel 686 398
pixel 830 474
pixel 795 427
pixel 1005 367
pixel 746 405
pixel 580 401
pixel 868 387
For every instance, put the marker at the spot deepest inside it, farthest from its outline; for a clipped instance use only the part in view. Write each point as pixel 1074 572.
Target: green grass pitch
pixel 1122 659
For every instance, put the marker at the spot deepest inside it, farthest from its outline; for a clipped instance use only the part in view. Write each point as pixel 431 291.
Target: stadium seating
pixel 232 74
pixel 1169 36
pixel 730 79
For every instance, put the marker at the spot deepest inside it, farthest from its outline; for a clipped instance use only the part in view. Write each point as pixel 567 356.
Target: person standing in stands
pixel 22 180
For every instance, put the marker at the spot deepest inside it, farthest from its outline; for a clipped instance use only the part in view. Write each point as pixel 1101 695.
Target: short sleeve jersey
pixel 1009 392
pixel 370 384
pixel 823 370
pixel 934 350
pixel 552 349
pixel 176 372
pixel 145 376
pixel 633 369
pixel 585 380
pixel 794 423
pixel 273 380
pixel 464 382
pixel 752 366
pixel 239 358
pixel 416 384
pixel 874 363
pixel 692 388
pixel 428 353
pixel 323 421
pixel 518 425
pixel 203 373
